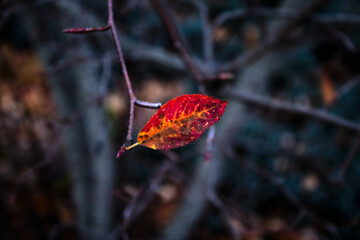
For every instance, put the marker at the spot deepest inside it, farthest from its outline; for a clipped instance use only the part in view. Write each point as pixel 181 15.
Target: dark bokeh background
pixel 284 162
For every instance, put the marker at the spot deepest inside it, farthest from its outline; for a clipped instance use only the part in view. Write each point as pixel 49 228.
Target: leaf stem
pixel 131 146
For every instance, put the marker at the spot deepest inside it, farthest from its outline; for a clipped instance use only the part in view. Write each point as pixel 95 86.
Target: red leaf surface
pixel 180 121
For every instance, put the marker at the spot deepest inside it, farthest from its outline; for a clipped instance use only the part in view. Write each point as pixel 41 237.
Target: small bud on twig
pixel 81 30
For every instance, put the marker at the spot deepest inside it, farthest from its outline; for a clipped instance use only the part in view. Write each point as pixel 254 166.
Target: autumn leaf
pixel 180 121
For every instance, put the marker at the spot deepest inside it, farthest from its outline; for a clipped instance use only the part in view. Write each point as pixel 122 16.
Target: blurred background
pixel 284 158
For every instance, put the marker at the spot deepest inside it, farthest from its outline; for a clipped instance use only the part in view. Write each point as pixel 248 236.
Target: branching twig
pixel 228 215
pixel 111 23
pixel 278 183
pixel 207 34
pixel 282 34
pixel 111 26
pixel 247 57
pixel 139 203
pixel 164 12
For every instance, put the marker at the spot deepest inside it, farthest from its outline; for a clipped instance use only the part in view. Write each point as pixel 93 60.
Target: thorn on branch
pixel 82 30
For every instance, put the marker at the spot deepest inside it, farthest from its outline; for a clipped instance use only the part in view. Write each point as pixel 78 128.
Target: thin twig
pixel 354 148
pixel 141 201
pixel 81 30
pixel 208 48
pixel 111 26
pixel 111 23
pixel 298 110
pixel 226 212
pixel 164 12
pixel 285 14
pixel 277 39
pixel 133 100
pixel 279 184
pixel 247 57
pixel 346 88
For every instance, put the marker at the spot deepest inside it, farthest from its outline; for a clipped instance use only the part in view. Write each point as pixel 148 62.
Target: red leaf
pixel 180 121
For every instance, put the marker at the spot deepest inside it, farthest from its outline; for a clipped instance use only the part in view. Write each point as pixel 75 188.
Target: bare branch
pixel 164 12
pixel 140 202
pixel 228 215
pixel 285 14
pixel 346 88
pixel 354 148
pixel 207 33
pixel 282 34
pixel 298 110
pixel 278 183
pixel 247 57
pixel 111 23
pixel 338 19
pixel 82 30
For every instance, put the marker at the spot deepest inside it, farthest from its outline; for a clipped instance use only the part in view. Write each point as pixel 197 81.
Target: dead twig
pixel 164 12
pixel 354 148
pixel 278 183
pixel 81 30
pixel 111 26
pixel 282 35
pixel 207 34
pixel 285 14
pixel 144 197
pixel 298 110
pixel 346 88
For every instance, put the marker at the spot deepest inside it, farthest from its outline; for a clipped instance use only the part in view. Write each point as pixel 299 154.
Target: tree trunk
pixel 86 144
